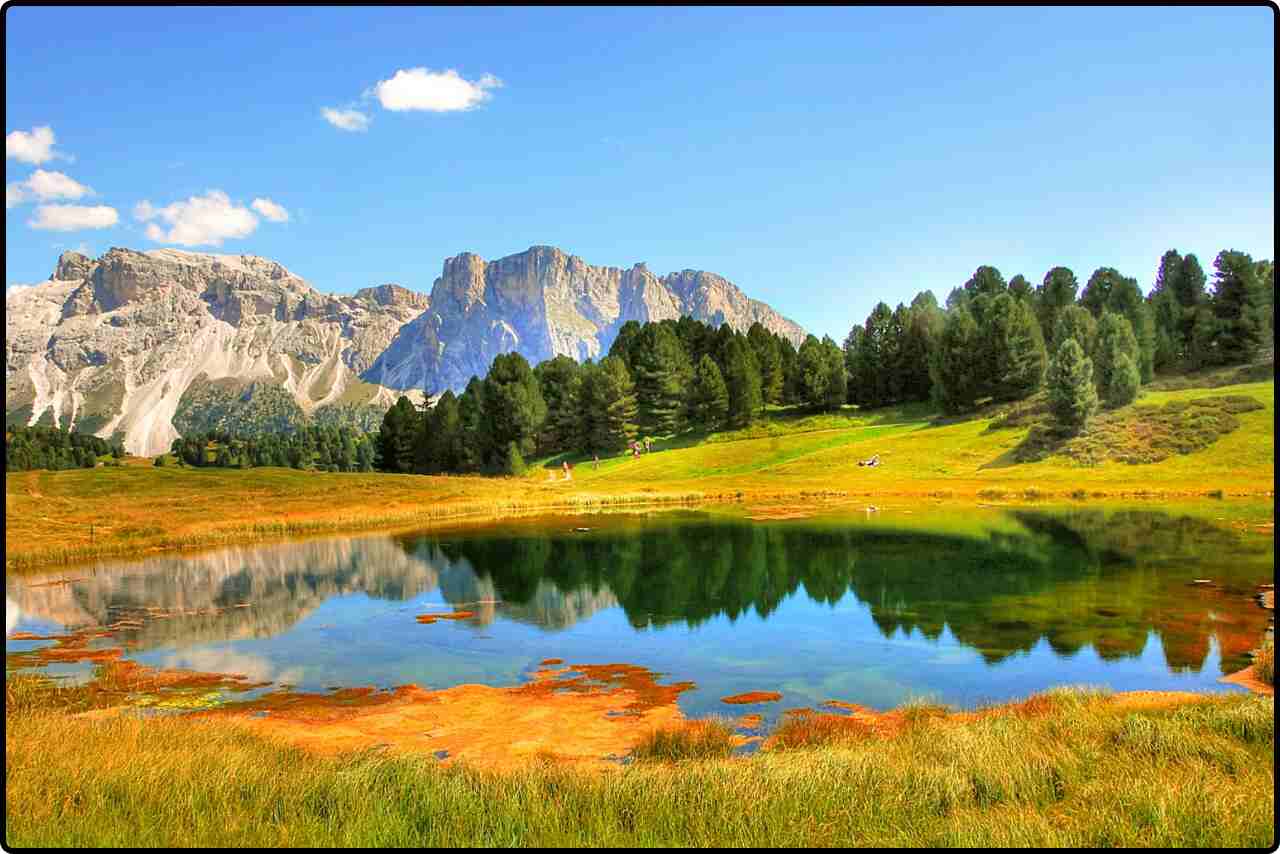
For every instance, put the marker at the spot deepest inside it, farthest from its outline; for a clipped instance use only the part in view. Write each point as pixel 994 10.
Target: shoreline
pixel 587 716
pixel 446 511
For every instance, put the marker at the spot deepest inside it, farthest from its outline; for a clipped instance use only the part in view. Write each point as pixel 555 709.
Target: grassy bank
pixel 54 517
pixel 1075 768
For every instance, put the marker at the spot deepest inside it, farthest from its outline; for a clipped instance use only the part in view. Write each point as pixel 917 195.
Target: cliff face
pixel 544 303
pixel 114 348
pixel 121 343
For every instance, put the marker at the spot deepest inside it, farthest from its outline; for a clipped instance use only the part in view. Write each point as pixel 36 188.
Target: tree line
pixel 328 448
pixel 1003 341
pixel 658 379
pixel 994 341
pixel 39 447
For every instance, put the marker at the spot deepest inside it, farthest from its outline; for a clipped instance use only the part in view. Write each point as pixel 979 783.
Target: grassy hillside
pixel 138 507
pixel 921 454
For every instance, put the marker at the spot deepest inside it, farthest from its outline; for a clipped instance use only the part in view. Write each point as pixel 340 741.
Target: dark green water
pixel 962 607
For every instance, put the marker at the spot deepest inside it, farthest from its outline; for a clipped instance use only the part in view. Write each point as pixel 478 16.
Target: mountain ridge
pixel 112 345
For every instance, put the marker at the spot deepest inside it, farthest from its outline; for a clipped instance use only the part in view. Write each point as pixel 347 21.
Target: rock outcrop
pixel 112 345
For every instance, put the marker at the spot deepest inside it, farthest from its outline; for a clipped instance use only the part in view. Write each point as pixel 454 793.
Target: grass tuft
pixel 710 738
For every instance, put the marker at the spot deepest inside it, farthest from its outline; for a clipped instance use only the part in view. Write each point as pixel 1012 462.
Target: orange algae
pixel 585 714
pixel 428 619
pixel 547 661
pixel 752 697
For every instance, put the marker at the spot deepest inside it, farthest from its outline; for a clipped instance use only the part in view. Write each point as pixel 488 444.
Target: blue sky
pixel 821 159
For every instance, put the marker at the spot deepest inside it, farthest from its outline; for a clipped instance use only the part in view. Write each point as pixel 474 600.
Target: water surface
pixel 963 607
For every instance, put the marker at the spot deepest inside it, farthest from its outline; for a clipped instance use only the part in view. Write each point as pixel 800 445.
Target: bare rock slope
pixel 121 344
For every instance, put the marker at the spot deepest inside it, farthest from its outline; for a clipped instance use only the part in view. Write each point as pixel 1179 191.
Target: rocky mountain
pixel 543 303
pixel 145 345
pixel 113 345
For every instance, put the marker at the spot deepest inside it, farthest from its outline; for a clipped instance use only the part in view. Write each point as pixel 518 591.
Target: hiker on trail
pixel 647 442
pixel 596 463
pixel 567 471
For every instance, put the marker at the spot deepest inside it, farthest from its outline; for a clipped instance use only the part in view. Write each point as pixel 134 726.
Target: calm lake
pixel 959 606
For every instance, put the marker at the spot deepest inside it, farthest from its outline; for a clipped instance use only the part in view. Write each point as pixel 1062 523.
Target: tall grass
pixel 1088 772
pixel 710 738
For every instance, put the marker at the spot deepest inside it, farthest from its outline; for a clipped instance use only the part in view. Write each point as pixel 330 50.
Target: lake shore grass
pixel 1069 767
pixel 64 517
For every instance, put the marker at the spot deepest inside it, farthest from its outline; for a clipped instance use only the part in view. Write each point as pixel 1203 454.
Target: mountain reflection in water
pixel 1001 587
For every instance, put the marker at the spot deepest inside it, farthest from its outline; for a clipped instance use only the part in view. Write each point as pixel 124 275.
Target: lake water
pixel 962 606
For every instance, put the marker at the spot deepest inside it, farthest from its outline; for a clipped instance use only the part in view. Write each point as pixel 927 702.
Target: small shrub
pixel 1140 434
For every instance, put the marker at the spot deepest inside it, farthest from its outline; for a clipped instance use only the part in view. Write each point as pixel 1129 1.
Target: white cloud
pixel 436 91
pixel 43 186
pixel 352 120
pixel 34 147
pixel 270 210
pixel 73 217
pixel 198 221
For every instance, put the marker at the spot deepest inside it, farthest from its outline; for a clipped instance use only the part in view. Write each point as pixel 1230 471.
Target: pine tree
pixel 661 372
pixel 813 366
pixel 623 344
pixel 1015 363
pixel 1235 306
pixel 920 336
pixel 444 431
pixel 1075 322
pixel 954 365
pixel 1166 315
pixel 1125 381
pixel 394 443
pixel 1126 300
pixel 852 366
pixel 560 380
pixel 1202 345
pixel 791 376
pixel 709 398
pixel 1115 339
pixel 1097 291
pixel 1020 288
pixel 742 376
pixel 608 406
pixel 1190 290
pixel 1072 398
pixel 764 344
pixel 985 280
pixel 877 352
pixel 513 408
pixel 471 427
pixel 837 380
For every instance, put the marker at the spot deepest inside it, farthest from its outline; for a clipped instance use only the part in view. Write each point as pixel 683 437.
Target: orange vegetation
pixel 752 697
pixel 593 717
pixel 427 619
